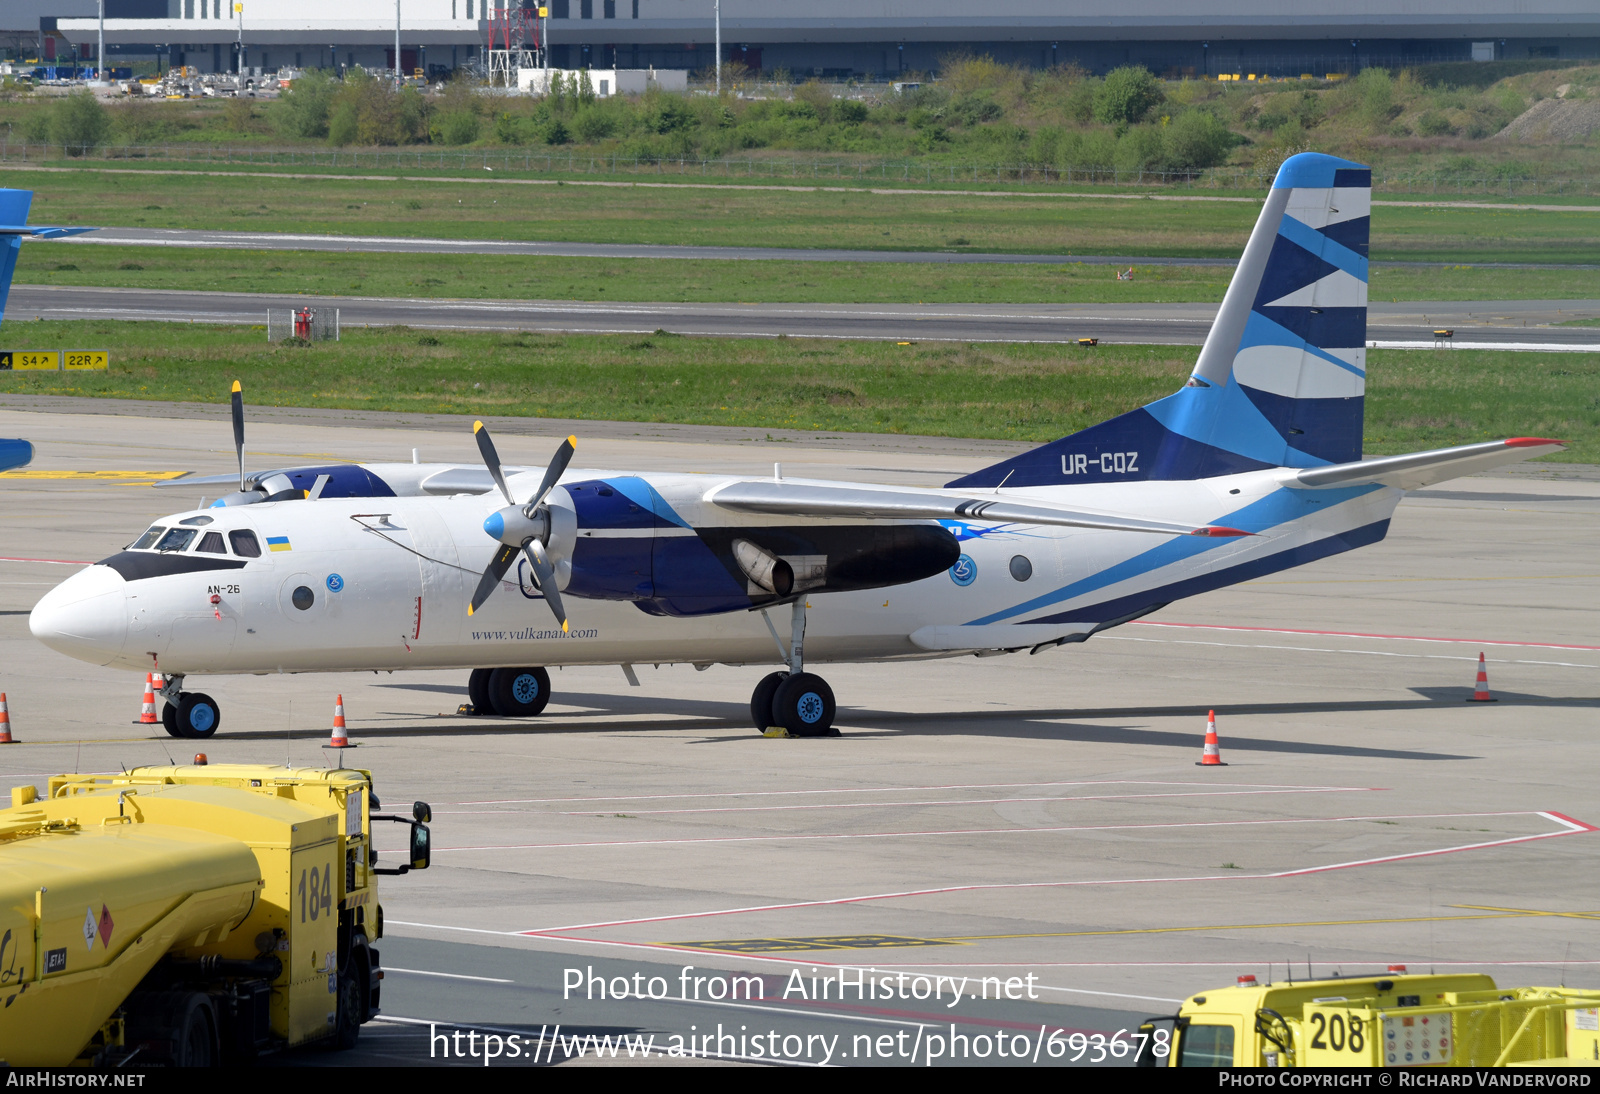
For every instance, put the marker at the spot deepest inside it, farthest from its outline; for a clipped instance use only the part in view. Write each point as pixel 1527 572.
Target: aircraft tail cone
pixel 1480 693
pixel 1211 755
pixel 339 738
pixel 5 722
pixel 147 711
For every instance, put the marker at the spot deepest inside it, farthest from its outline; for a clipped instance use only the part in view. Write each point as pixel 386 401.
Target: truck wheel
pixel 175 1027
pixel 195 1041
pixel 352 1010
pixel 519 693
pixel 478 692
pixel 198 715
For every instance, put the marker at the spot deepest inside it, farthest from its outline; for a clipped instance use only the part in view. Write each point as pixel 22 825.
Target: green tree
pixel 1196 139
pixel 80 123
pixel 303 110
pixel 1126 96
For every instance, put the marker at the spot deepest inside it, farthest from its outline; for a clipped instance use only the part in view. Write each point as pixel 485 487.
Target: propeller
pixel 523 528
pixel 238 429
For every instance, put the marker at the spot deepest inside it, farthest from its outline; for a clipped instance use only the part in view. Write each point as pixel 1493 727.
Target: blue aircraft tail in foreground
pixel 14 205
pixel 1281 378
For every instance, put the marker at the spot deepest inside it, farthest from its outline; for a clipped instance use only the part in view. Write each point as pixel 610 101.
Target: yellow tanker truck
pixel 191 915
pixel 1390 1020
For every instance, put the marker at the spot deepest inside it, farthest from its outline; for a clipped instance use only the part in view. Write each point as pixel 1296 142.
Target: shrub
pixel 817 97
pixel 1432 123
pixel 1140 148
pixel 850 112
pixel 80 123
pixel 593 124
pixel 1126 96
pixel 303 109
pixel 456 127
pixel 557 133
pixel 1196 139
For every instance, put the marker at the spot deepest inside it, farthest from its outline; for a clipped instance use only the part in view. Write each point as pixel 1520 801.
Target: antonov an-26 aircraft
pixel 1253 466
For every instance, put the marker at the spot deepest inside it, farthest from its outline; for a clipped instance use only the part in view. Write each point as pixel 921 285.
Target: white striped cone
pixel 1211 755
pixel 5 722
pixel 147 710
pixel 338 740
pixel 1480 692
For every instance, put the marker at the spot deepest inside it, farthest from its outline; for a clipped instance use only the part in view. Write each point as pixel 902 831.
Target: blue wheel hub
pixel 525 688
pixel 202 717
pixel 810 708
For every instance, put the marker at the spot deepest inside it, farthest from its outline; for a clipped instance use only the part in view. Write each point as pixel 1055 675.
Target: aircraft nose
pixel 86 616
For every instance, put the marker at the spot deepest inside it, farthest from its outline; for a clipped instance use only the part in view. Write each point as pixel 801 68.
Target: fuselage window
pixel 148 539
pixel 245 544
pixel 176 540
pixel 211 544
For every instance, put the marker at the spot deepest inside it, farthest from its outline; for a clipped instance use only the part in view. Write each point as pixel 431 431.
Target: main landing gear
pixel 799 701
pixel 510 693
pixel 190 714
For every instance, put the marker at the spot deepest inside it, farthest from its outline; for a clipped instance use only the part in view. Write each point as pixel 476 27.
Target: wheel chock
pixel 776 731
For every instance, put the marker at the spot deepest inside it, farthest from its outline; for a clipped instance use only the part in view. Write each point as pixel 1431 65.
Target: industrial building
pixel 842 38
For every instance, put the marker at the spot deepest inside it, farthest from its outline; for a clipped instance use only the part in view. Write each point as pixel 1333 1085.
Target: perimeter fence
pixel 549 162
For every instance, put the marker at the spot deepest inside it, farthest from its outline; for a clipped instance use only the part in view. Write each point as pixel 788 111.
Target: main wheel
pixel 198 715
pixel 169 718
pixel 804 705
pixel 478 692
pixel 761 715
pixel 519 693
pixel 352 1000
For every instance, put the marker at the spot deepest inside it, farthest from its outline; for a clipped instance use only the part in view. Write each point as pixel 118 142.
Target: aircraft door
pixel 445 590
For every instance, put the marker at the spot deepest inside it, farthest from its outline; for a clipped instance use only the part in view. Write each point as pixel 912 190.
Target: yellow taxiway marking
pixel 91 476
pixel 1489 913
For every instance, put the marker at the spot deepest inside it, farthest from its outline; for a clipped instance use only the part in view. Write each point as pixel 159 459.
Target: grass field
pixel 514 277
pixel 860 218
pixel 1416 399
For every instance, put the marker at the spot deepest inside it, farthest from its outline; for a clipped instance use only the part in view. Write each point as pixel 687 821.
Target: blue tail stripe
pixel 1353 233
pixel 1278 507
pixel 1290 267
pixel 8 266
pixel 1335 328
pixel 1324 247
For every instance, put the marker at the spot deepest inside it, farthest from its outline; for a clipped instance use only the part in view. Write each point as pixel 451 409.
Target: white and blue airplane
pixel 1252 467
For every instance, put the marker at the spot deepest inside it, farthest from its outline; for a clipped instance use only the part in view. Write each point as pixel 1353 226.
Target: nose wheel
pixel 195 715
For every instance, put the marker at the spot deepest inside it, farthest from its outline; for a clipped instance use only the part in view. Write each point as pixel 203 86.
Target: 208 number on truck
pixel 316 894
pixel 1333 1033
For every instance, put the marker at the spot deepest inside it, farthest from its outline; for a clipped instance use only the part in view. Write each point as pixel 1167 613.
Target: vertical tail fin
pixel 1281 378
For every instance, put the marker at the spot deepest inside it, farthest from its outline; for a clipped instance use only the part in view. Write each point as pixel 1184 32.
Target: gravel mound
pixel 1556 119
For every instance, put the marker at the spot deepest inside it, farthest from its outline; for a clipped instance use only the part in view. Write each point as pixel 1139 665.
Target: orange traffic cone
pixel 147 712
pixel 1211 756
pixel 338 740
pixel 1481 693
pixel 5 722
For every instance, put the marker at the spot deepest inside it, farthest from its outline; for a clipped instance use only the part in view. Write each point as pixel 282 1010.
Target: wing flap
pixel 779 498
pixel 1418 469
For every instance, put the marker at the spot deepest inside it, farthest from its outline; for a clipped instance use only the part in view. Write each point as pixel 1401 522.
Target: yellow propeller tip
pixel 572 439
pixel 564 625
pixel 236 386
pixel 469 609
pixel 477 426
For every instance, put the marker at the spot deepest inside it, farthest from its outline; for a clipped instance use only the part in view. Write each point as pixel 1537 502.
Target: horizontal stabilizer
pixel 1418 469
pixel 805 500
pixel 15 453
pixel 42 231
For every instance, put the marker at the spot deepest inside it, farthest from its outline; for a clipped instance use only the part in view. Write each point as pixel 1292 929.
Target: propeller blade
pixel 238 429
pixel 491 459
pixel 557 468
pixel 491 577
pixel 544 575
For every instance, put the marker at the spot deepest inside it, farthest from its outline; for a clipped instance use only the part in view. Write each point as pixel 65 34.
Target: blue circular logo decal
pixel 335 583
pixel 965 571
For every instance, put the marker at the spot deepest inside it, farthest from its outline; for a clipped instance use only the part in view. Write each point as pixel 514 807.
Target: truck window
pixel 245 544
pixel 176 540
pixel 148 539
pixel 211 544
pixel 1206 1046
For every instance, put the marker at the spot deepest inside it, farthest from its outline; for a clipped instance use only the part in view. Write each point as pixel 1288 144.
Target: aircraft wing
pixel 39 231
pixel 1418 469
pixel 809 500
pixel 231 478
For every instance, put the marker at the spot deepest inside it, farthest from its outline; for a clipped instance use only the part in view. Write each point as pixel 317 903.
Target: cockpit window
pixel 245 544
pixel 176 540
pixel 148 539
pixel 211 544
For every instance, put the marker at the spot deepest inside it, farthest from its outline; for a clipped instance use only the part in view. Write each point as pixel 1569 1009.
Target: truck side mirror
pixel 422 811
pixel 421 846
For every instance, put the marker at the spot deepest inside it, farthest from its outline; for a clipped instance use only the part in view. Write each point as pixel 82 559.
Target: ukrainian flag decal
pixel 278 543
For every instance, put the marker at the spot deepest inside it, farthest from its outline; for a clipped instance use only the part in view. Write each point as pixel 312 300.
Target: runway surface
pixel 1497 324
pixel 1000 817
pixel 295 241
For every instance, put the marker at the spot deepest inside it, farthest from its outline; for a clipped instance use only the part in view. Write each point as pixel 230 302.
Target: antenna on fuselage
pixel 238 429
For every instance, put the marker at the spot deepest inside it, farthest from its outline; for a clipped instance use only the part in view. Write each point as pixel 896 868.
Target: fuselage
pixel 383 583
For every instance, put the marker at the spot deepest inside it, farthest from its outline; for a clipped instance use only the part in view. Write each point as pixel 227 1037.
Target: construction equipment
pixel 191 915
pixel 1388 1020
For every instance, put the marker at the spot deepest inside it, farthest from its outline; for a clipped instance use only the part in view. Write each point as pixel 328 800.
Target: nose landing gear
pixel 799 701
pixel 190 714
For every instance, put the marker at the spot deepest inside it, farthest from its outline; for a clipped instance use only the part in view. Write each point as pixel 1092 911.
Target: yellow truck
pixel 1391 1020
pixel 191 915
